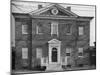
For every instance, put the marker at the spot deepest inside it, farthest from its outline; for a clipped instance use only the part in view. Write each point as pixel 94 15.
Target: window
pixel 54 28
pixel 24 29
pixel 68 29
pixel 39 52
pixel 81 30
pixel 68 51
pixel 80 52
pixel 24 53
pixel 39 29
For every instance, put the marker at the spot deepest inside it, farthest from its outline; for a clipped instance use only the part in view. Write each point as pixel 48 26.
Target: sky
pixel 81 10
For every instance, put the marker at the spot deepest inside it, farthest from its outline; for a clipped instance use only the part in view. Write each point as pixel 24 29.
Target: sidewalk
pixel 68 69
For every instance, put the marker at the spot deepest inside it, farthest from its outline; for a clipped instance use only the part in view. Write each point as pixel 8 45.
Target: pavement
pixel 68 69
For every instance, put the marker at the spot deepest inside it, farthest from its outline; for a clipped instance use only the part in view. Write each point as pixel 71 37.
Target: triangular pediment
pixel 55 41
pixel 54 9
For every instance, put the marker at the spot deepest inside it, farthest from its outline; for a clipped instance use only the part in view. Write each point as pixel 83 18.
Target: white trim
pixel 37 30
pixel 53 11
pixel 80 50
pixel 54 24
pixel 37 12
pixel 24 29
pixel 24 53
pixel 54 43
pixel 38 52
pixel 81 30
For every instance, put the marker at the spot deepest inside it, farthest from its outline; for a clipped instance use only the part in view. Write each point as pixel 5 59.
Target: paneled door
pixel 54 55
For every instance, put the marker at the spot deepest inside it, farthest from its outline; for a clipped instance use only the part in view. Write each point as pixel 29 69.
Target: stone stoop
pixel 54 67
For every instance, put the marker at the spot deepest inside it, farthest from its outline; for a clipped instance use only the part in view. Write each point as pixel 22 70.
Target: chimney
pixel 68 8
pixel 39 6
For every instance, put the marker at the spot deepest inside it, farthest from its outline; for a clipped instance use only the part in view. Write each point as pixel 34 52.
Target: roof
pixel 51 6
pixel 25 7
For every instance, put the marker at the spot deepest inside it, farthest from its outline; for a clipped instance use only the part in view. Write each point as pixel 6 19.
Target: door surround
pixel 54 43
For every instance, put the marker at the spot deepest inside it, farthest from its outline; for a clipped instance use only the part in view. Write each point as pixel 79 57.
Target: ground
pixel 68 69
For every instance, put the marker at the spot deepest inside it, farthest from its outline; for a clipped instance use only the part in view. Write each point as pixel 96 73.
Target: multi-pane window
pixel 81 30
pixel 39 28
pixel 54 28
pixel 80 52
pixel 68 51
pixel 24 53
pixel 39 52
pixel 24 29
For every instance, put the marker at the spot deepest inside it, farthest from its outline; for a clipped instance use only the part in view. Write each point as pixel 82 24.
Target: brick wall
pixel 33 40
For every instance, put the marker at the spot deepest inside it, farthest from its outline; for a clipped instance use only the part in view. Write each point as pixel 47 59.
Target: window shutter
pixel 81 31
pixel 24 53
pixel 38 52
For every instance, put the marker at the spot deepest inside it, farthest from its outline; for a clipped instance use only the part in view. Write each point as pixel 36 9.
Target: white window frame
pixel 68 50
pixel 81 30
pixel 37 30
pixel 53 29
pixel 80 50
pixel 24 29
pixel 24 53
pixel 38 55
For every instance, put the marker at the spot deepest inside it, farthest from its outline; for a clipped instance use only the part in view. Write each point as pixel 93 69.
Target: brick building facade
pixel 51 36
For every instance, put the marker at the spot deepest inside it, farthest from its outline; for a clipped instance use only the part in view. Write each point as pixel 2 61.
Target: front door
pixel 54 54
pixel 54 51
